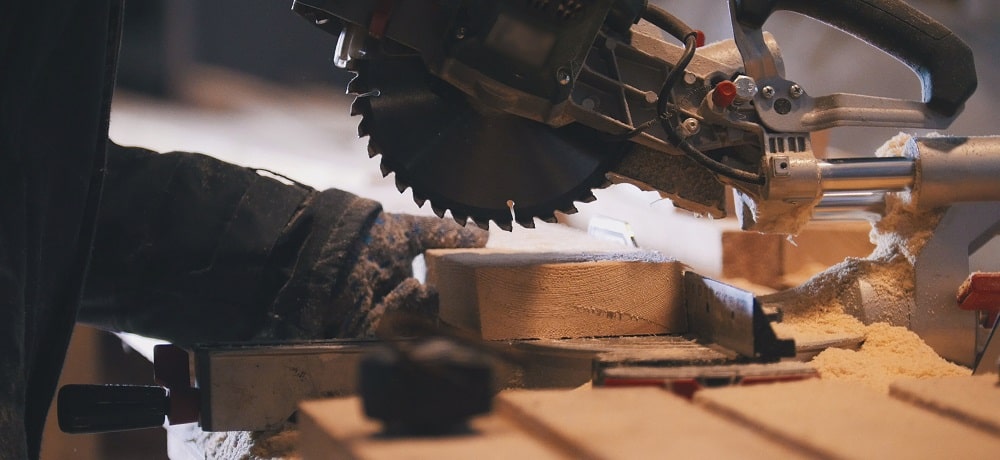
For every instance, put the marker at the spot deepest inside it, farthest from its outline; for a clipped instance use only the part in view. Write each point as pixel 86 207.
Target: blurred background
pixel 250 82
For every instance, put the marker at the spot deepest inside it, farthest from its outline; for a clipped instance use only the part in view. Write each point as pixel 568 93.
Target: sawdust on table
pixel 276 445
pixel 824 307
pixel 889 353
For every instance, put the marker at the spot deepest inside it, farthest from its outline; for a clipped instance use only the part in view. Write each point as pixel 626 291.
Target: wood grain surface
pixel 831 419
pixel 971 400
pixel 558 295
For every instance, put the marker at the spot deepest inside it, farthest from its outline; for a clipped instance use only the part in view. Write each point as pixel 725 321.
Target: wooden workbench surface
pixel 937 418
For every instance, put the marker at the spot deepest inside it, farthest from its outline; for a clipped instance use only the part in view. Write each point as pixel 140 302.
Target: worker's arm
pixel 192 249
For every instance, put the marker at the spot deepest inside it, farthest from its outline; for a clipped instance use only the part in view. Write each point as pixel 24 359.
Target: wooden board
pixel 557 295
pixel 831 419
pixel 337 429
pixel 971 400
pixel 582 424
pixel 633 423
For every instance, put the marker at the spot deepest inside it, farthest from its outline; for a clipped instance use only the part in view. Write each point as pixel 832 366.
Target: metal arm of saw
pixel 937 171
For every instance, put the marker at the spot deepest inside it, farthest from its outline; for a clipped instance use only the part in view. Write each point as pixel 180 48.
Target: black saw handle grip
pixel 101 408
pixel 941 60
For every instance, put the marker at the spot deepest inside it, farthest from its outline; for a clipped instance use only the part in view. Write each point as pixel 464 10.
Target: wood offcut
pixel 557 295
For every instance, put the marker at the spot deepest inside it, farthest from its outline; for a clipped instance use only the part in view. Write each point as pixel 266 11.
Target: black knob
pixel 99 408
pixel 430 387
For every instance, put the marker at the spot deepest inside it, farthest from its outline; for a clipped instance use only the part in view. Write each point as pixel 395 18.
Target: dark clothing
pixel 192 249
pixel 55 91
pixel 187 247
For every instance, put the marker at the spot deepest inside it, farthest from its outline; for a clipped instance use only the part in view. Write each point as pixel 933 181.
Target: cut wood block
pixel 558 295
pixel 633 423
pixel 338 429
pixel 831 419
pixel 971 400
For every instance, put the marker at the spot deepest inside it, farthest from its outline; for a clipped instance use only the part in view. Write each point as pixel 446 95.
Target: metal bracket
pixel 733 318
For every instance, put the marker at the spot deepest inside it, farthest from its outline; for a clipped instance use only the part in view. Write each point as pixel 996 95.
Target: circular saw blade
pixel 483 164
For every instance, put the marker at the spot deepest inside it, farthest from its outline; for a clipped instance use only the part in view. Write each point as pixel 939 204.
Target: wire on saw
pixel 678 29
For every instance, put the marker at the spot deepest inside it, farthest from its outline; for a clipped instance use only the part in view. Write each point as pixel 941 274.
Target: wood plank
pixel 755 257
pixel 971 400
pixel 337 429
pixel 558 295
pixel 834 419
pixel 633 423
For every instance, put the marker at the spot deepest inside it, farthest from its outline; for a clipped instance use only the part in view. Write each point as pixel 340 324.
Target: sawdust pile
pixel 271 445
pixel 887 274
pixel 188 440
pixel 888 354
pixel 821 324
pixel 877 290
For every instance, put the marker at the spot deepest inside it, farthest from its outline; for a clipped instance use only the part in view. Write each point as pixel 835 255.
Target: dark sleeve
pixel 192 249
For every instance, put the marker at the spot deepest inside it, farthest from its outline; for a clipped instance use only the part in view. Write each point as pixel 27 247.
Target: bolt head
pixel 746 87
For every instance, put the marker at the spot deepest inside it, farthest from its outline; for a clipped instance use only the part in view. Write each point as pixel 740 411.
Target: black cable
pixel 669 23
pixel 678 29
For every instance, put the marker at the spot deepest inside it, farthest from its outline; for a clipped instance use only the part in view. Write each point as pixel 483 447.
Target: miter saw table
pixel 254 387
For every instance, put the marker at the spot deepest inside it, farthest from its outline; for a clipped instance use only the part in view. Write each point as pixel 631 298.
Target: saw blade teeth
pixel 385 169
pixel 419 200
pixel 570 210
pixel 357 85
pixel 459 217
pixel 549 219
pixel 400 185
pixel 588 198
pixel 363 128
pixel 483 224
pixel 406 90
pixel 356 107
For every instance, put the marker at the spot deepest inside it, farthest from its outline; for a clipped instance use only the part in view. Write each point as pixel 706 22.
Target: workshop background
pixel 249 82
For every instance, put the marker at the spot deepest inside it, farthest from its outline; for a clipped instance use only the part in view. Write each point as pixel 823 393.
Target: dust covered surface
pixel 189 441
pixel 888 354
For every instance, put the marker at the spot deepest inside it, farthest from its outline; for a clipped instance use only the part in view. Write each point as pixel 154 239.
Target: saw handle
pixel 941 60
pixel 100 408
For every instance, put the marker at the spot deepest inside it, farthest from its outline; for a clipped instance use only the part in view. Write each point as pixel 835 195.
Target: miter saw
pixel 511 110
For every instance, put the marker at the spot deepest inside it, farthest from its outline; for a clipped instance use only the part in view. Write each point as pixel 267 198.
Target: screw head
pixel 796 91
pixel 691 126
pixel 767 92
pixel 563 76
pixel 460 33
